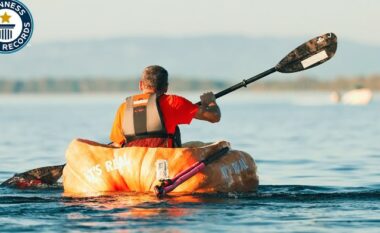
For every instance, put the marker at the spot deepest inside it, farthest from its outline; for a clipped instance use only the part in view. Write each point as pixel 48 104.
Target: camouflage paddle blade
pixel 35 178
pixel 309 54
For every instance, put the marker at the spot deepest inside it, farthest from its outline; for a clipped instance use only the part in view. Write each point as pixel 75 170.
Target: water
pixel 318 166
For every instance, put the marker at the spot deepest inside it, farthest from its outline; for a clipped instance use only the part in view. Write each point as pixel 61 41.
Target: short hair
pixel 155 77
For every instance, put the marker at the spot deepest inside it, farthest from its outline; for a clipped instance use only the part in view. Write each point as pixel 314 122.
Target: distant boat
pixel 360 96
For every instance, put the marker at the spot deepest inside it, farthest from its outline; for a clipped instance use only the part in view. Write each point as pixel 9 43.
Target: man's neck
pixel 149 91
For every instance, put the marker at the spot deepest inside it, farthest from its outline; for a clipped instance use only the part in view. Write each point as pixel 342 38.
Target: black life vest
pixel 143 123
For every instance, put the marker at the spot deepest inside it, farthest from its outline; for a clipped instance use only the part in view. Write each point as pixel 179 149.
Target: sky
pixel 68 20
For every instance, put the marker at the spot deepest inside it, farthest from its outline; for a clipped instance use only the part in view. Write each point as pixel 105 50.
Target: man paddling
pixel 151 119
pixel 310 54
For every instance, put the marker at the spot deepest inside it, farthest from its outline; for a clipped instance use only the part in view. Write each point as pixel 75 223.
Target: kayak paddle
pixel 310 54
pixel 36 177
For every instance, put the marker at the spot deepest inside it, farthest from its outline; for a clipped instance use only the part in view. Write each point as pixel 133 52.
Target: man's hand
pixel 208 98
pixel 209 110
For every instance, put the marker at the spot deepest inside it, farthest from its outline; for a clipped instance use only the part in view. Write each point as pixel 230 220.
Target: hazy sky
pixel 58 20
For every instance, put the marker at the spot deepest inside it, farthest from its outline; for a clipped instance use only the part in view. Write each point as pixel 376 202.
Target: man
pixel 151 118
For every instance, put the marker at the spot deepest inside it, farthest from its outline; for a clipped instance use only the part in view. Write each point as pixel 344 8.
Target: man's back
pixel 175 110
pixel 132 121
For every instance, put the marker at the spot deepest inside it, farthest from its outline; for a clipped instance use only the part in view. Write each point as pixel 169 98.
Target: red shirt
pixel 176 110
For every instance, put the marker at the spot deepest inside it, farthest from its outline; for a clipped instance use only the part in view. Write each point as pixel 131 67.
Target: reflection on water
pixel 135 205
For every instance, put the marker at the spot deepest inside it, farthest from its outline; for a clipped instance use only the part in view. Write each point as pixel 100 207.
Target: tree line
pixel 103 85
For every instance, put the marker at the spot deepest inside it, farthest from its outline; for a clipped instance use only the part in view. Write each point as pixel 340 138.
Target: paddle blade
pixel 35 178
pixel 310 54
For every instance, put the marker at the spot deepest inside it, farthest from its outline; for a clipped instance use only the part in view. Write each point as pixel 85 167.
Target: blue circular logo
pixel 16 26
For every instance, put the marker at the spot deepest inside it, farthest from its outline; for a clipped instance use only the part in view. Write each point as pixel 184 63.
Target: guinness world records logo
pixel 16 26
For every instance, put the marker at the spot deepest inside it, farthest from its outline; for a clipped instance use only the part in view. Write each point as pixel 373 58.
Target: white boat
pixel 360 96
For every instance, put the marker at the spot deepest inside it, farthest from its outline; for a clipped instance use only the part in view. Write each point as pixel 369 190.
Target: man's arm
pixel 209 110
pixel 117 136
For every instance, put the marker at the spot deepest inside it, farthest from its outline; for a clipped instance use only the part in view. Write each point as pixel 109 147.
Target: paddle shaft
pixel 244 83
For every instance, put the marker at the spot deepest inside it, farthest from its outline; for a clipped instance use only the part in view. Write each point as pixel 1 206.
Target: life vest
pixel 143 124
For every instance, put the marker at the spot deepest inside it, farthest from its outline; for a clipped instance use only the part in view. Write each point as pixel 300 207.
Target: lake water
pixel 318 165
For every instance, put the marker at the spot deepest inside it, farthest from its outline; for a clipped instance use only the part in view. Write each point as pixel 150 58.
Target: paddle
pixel 35 177
pixel 310 54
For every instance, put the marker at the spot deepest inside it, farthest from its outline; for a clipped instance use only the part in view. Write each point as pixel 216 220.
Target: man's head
pixel 154 79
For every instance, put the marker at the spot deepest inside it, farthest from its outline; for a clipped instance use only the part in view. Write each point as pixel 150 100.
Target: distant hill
pixel 212 57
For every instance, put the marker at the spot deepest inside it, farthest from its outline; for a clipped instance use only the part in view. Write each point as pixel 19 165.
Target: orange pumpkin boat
pixel 92 168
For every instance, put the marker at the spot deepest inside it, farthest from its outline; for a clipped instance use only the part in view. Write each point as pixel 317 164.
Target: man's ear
pixel 141 85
